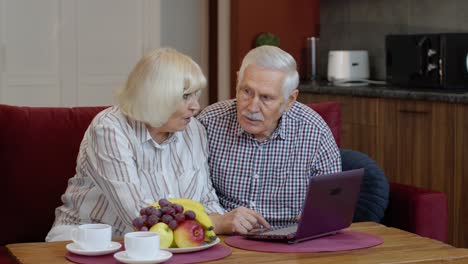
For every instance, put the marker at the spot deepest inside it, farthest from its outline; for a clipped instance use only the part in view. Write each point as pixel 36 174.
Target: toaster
pixel 348 67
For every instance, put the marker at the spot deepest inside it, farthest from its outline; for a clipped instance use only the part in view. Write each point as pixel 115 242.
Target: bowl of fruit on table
pixel 182 224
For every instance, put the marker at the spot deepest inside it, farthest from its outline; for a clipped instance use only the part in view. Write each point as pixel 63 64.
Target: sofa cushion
pixel 331 114
pixel 38 150
pixel 374 195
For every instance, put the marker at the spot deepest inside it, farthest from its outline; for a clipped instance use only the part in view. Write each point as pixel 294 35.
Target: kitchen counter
pixel 386 91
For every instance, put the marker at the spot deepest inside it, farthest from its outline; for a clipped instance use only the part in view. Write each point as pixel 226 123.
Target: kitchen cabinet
pixel 417 139
pixel 359 121
pixel 460 205
pixel 415 142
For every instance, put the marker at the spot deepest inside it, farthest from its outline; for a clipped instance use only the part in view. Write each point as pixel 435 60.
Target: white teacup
pixel 92 236
pixel 142 245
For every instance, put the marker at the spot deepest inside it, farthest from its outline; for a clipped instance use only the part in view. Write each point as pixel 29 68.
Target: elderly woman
pixel 146 147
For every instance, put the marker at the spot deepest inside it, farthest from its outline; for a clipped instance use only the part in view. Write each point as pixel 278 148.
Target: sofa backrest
pixel 38 150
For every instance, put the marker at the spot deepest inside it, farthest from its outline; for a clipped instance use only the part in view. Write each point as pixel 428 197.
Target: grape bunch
pixel 169 213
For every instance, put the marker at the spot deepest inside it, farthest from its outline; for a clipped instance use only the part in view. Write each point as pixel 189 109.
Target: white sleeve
pixel 209 198
pixel 115 171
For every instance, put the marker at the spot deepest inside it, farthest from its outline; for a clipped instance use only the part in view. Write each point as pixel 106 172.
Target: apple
pixel 189 234
pixel 166 235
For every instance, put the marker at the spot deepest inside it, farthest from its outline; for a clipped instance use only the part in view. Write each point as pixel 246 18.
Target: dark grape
pixel 166 218
pixel 164 202
pixel 143 211
pixel 168 210
pixel 144 228
pixel 152 220
pixel 180 217
pixel 189 215
pixel 173 224
pixel 138 222
pixel 157 212
pixel 144 218
pixel 153 211
pixel 149 210
pixel 178 208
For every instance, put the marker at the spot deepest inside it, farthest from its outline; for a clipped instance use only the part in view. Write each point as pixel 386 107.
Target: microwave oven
pixel 427 60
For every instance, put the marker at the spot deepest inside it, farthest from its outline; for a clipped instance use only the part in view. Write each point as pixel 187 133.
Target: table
pixel 399 247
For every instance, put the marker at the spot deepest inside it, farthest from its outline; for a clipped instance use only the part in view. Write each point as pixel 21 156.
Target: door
pixel 72 52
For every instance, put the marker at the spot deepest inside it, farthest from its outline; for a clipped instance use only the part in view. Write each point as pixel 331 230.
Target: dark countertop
pixel 385 91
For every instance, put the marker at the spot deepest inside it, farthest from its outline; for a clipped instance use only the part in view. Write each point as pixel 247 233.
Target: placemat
pixel 210 254
pixel 346 240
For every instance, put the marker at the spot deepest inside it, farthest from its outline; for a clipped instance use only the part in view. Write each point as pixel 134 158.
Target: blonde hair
pixel 156 86
pixel 273 58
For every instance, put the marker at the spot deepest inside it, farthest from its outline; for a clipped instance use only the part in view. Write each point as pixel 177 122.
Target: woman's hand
pixel 238 221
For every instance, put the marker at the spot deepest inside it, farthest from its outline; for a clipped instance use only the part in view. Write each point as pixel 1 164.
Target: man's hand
pixel 238 221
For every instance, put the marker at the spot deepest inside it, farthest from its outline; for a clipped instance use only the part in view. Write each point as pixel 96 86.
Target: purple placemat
pixel 210 254
pixel 347 240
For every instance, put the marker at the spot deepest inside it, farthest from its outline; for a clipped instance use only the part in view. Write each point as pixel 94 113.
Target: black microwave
pixel 427 60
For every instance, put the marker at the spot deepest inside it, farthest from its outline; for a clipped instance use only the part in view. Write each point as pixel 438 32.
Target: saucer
pixel 193 249
pixel 123 257
pixel 74 248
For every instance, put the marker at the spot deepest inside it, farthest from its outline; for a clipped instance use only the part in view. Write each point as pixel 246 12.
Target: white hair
pixel 273 58
pixel 156 86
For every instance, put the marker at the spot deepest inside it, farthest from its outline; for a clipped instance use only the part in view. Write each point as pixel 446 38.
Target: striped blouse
pixel 121 169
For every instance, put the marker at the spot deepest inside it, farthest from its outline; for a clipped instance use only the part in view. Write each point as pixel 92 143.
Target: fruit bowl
pixel 193 249
pixel 180 222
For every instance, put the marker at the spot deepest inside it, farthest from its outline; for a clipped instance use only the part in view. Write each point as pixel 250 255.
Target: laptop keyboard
pixel 282 231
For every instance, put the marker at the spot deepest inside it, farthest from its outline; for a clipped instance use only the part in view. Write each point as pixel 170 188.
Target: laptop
pixel 328 208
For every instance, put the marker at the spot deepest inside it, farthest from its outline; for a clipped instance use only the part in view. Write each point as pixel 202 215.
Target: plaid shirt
pixel 270 177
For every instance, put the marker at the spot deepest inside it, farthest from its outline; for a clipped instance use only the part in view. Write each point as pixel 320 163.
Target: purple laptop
pixel 328 208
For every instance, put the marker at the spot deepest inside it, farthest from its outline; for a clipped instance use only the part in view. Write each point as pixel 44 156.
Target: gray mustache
pixel 254 116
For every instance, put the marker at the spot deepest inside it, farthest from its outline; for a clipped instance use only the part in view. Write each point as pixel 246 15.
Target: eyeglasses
pixel 191 97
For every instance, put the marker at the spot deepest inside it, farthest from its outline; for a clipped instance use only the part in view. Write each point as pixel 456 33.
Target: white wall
pixel 77 52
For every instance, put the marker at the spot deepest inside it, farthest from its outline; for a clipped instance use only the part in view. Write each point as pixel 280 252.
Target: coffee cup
pixel 92 236
pixel 142 245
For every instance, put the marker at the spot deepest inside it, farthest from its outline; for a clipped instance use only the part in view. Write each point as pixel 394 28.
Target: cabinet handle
pixel 406 111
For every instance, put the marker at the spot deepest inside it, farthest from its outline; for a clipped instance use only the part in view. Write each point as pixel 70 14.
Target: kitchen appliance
pixel 312 47
pixel 428 60
pixel 348 67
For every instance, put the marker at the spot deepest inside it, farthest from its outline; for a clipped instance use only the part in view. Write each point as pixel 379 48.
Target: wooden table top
pixel 398 247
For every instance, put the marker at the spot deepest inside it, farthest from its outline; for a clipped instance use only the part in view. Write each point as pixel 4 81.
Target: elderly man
pixel 265 146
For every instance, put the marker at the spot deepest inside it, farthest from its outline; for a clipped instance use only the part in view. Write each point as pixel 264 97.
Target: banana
pixel 200 215
pixel 210 236
pixel 203 219
pixel 188 203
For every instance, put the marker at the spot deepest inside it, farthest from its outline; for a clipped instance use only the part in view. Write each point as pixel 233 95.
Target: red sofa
pixel 38 150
